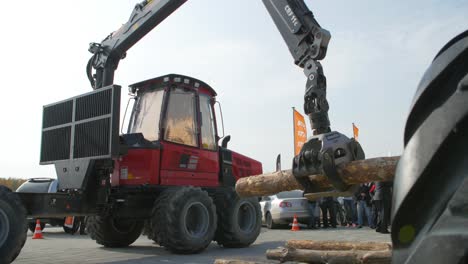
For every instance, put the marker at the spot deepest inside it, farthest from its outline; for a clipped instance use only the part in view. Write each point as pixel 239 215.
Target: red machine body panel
pixel 138 167
pixel 183 165
pixel 243 166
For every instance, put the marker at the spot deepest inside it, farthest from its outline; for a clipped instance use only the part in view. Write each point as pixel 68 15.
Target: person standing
pixel 382 200
pixel 374 211
pixel 363 204
pixel 328 207
pixel 350 211
pixel 312 218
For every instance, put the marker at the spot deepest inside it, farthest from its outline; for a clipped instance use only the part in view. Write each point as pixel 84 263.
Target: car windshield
pixel 146 114
pixel 290 194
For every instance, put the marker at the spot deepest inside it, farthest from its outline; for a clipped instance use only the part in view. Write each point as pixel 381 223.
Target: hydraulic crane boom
pixel 308 43
pixel 107 54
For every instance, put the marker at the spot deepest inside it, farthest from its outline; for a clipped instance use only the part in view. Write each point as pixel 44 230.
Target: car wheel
pixel 269 222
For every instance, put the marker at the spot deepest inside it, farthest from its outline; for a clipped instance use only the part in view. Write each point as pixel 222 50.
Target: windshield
pixel 290 194
pixel 146 114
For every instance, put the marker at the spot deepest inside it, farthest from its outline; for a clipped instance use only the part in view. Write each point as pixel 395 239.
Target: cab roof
pixel 174 79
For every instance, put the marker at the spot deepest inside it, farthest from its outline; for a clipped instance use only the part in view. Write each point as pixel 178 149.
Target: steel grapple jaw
pixel 320 155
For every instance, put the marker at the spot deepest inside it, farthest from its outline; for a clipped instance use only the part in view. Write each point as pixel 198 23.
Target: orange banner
pixel 300 132
pixel 355 132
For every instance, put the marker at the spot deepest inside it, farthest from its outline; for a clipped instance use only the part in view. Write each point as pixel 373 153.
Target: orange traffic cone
pixel 37 231
pixel 295 225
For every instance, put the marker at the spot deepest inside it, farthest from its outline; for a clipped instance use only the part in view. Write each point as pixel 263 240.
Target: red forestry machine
pixel 168 170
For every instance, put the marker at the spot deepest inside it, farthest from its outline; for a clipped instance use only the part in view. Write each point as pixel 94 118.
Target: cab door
pixel 188 156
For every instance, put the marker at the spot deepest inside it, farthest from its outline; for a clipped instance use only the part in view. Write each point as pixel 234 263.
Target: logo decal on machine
pixel 188 162
pixel 124 173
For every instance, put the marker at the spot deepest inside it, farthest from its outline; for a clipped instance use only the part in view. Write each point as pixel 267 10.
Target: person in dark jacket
pixel 327 205
pixel 363 200
pixel 382 200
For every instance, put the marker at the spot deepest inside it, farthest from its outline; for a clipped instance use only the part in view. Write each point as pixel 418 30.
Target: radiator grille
pixel 96 104
pixel 58 114
pixel 92 139
pixel 56 144
pixel 85 126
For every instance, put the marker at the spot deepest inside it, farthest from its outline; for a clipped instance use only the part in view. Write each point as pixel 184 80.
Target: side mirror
pixel 225 141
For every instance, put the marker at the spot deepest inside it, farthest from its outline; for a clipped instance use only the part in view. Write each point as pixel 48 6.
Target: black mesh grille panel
pixel 92 139
pixel 90 132
pixel 96 104
pixel 57 114
pixel 56 144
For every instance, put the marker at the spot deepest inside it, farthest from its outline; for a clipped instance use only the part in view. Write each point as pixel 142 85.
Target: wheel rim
pixel 246 217
pixel 123 226
pixel 4 227
pixel 196 220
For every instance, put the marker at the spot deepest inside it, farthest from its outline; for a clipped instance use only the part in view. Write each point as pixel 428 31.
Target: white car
pixel 280 209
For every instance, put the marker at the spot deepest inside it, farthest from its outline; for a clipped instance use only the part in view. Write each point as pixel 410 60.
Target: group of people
pixel 369 206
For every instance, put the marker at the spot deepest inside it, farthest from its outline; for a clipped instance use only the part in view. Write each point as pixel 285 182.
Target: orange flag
pixel 355 132
pixel 300 131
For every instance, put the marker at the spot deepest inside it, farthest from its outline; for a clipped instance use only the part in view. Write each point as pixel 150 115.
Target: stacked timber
pixel 337 252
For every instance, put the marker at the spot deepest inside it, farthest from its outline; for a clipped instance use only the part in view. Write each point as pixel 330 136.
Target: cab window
pixel 145 115
pixel 180 118
pixel 207 127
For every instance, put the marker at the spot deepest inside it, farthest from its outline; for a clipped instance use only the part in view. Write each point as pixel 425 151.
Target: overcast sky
pixel 377 55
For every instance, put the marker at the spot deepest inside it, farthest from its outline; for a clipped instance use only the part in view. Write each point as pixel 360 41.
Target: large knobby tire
pixel 13 225
pixel 184 220
pixel 239 220
pixel 113 232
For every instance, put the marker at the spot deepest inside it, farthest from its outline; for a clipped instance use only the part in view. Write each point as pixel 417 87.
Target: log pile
pixel 355 172
pixel 337 252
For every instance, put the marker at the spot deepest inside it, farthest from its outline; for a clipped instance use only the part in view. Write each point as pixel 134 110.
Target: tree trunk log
pixel 355 172
pixel 338 245
pixel 331 256
pixel 234 261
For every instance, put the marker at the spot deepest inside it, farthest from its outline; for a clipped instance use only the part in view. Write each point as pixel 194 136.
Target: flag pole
pixel 294 134
pixel 354 134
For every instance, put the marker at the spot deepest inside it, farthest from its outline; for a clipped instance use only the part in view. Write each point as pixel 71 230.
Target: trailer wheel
pixel 239 220
pixel 13 225
pixel 74 229
pixel 113 232
pixel 32 226
pixel 184 220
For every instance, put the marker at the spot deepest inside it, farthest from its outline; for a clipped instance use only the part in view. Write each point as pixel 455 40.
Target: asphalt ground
pixel 58 247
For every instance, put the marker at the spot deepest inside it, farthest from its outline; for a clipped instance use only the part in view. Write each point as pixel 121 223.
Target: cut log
pixel 338 245
pixel 329 256
pixel 235 261
pixel 355 172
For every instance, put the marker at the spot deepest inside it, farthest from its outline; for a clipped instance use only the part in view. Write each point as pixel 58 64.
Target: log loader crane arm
pixel 307 41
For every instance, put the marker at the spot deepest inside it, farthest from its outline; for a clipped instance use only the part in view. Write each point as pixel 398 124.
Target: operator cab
pixel 171 137
pixel 174 108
